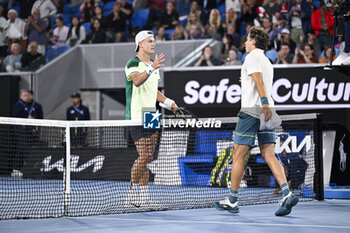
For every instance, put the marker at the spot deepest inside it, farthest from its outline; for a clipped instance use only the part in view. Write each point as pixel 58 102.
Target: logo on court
pixel 152 119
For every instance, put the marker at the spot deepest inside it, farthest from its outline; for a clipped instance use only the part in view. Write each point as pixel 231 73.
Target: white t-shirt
pixel 255 62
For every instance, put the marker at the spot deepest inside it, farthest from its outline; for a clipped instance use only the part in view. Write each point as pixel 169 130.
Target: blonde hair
pixel 233 18
pixel 218 20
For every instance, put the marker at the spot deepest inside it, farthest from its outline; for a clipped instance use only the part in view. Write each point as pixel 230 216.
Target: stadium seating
pixel 140 18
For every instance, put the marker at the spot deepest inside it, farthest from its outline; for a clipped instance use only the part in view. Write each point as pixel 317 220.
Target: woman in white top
pixel 60 33
pixel 76 33
pixel 12 63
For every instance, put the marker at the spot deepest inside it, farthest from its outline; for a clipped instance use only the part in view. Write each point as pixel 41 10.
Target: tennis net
pixel 60 168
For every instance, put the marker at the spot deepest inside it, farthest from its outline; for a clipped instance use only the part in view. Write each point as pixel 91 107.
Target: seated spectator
pixel 97 35
pixel 230 18
pixel 327 55
pixel 284 55
pixel 305 56
pixel 248 14
pixel 195 32
pixel 59 4
pixel 60 33
pixel 3 25
pixel 12 63
pixel 196 8
pixel 99 16
pixel 116 23
pixel 179 33
pixel 310 39
pixel 126 9
pixel 322 21
pixel 194 20
pixel 36 29
pixel 207 58
pixel 285 38
pixel 49 30
pixel 15 31
pixel 212 33
pixel 271 8
pixel 234 4
pixel 46 8
pixel 231 31
pixel 232 58
pixel 32 60
pixel 225 48
pixel 169 18
pixel 183 8
pixel 260 16
pixel 156 7
pixel 215 20
pixel 244 38
pixel 76 33
pixel 87 10
pixel 161 35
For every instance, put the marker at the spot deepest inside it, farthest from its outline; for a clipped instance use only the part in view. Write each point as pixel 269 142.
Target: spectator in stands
pixel 194 20
pixel 32 59
pixel 59 4
pixel 231 17
pixel 195 32
pixel 225 48
pixel 35 109
pixel 260 16
pixel 156 7
pixel 215 20
pixel 87 10
pixel 248 16
pixel 161 35
pixel 207 58
pixel 97 35
pixel 36 29
pixel 327 55
pixel 244 38
pixel 284 55
pixel 322 21
pixel 117 23
pixel 76 33
pixel 271 8
pixel 234 4
pixel 231 31
pixel 300 18
pixel 3 26
pixel 310 39
pixel 15 31
pixel 12 62
pixel 207 5
pixel 60 33
pixel 26 8
pixel 183 8
pixel 232 58
pixel 169 17
pixel 126 9
pixel 46 8
pixel 285 38
pixel 77 112
pixel 99 15
pixel 212 32
pixel 305 56
pixel 196 8
pixel 179 33
pixel 49 30
pixel 267 25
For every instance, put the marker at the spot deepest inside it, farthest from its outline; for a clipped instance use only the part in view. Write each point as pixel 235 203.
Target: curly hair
pixel 260 36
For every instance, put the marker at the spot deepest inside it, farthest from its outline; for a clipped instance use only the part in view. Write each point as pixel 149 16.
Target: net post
pixel 319 186
pixel 66 174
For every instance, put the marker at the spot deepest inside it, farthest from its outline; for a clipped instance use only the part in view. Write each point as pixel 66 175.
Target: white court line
pixel 223 223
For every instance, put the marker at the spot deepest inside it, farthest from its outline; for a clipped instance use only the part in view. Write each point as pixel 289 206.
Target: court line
pixel 224 223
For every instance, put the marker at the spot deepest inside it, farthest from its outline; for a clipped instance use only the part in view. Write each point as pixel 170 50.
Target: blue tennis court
pixel 314 216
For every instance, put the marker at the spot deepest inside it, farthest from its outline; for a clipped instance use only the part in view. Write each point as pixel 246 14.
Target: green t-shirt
pixel 144 96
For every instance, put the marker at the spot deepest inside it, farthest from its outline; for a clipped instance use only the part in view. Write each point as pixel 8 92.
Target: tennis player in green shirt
pixel 142 78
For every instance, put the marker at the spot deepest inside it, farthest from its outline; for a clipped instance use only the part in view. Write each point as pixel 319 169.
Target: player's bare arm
pixel 258 79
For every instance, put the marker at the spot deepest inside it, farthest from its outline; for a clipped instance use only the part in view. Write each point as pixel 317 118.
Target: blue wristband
pixel 264 100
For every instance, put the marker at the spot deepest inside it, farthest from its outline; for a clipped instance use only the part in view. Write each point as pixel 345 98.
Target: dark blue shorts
pixel 248 128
